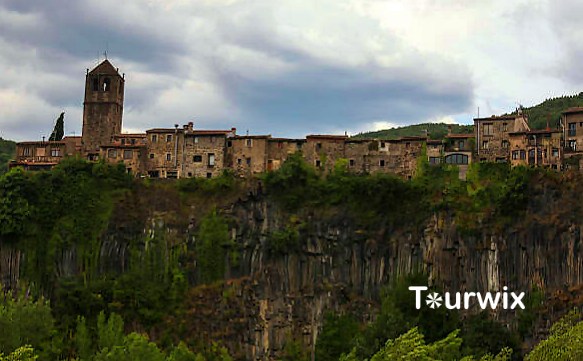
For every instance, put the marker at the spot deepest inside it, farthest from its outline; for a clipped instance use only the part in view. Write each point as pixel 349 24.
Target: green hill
pixel 7 152
pixel 538 115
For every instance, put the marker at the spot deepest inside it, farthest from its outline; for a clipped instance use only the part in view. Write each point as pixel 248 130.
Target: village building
pixel 493 135
pixel 247 155
pixel 322 151
pixel 40 155
pixel 459 150
pixel 536 148
pixel 279 149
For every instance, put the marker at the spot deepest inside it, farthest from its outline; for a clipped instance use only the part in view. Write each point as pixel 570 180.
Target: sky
pixel 286 67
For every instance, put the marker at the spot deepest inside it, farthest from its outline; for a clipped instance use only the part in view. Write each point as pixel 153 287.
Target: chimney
pixel 190 126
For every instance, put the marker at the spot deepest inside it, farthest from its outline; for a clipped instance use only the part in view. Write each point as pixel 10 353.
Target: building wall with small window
pixel 248 155
pixel 132 156
pixel 536 148
pixel 204 154
pixel 322 151
pixel 279 149
pixel 165 151
pixel 492 135
pixel 573 131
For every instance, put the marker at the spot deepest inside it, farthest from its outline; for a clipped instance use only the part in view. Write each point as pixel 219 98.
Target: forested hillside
pixel 538 115
pixel 7 152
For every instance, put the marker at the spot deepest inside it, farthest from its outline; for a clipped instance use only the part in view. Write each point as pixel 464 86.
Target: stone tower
pixel 102 108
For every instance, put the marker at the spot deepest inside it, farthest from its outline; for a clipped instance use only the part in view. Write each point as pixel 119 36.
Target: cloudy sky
pixel 286 67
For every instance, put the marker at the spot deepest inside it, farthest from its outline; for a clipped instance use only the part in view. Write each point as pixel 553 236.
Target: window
pixel 504 127
pixel 248 160
pixel 154 138
pixel 168 138
pixel 351 162
pixel 123 141
pixel 249 143
pixel 382 163
pixel 195 140
pixel 515 154
pixel 151 155
pixel 168 156
pixel 239 161
pixel 197 158
pixel 112 153
pixel 133 141
pixel 555 152
pixel 106 84
pixel 456 159
pixel 209 175
pixel 211 159
pixel 572 129
pixel 485 144
pixel 26 152
pixel 461 144
pixel 488 129
pixel 229 143
pixel 189 174
pixel 434 160
pixel 383 144
pixel 318 163
pixel 573 144
pixel 523 154
pixel 318 146
pixel 128 154
pixel 505 144
pixel 172 174
pixel 55 152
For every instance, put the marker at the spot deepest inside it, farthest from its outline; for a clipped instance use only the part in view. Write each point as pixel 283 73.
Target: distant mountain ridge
pixel 538 115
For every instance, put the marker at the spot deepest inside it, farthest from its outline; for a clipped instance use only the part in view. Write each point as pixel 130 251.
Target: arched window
pixel 456 159
pixel 106 84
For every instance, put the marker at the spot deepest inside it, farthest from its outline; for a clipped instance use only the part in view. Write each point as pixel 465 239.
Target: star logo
pixel 433 300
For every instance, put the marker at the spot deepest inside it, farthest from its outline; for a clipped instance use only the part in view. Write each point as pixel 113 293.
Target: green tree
pixel 337 337
pixel 135 347
pixel 24 353
pixel 213 237
pixel 565 342
pixel 59 130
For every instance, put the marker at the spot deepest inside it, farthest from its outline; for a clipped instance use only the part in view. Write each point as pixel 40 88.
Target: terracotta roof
pixel 104 67
pixel 327 137
pixel 460 136
pixel 209 132
pixel 164 130
pixel 573 110
pixel 499 117
pixel 534 132
pixel 268 136
pixel 40 142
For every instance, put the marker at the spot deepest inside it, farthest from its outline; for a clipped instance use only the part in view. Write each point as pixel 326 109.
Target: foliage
pixel 24 353
pixel 224 183
pixel 24 321
pixel 336 337
pixel 435 131
pixel 59 130
pixel 284 241
pixel 483 336
pixel 7 153
pixel 213 238
pixel 564 343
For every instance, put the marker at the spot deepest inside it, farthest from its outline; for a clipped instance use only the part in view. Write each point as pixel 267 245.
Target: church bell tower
pixel 102 108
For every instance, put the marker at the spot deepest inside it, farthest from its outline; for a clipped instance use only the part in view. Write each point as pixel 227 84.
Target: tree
pixel 564 343
pixel 59 130
pixel 213 236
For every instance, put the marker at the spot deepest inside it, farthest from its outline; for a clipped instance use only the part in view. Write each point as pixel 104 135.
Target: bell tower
pixel 102 108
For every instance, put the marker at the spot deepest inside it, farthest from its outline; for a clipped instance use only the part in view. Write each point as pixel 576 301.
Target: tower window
pixel 95 84
pixel 169 138
pixel 106 84
pixel 154 138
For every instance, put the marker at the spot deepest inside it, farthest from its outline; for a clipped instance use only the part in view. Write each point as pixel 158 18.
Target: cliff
pixel 284 269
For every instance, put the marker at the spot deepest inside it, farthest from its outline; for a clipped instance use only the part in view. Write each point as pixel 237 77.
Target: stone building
pixel 248 154
pixel 458 150
pixel 322 151
pixel 204 152
pixel 537 148
pixel 279 149
pixel 39 155
pixel 102 108
pixel 130 149
pixel 493 135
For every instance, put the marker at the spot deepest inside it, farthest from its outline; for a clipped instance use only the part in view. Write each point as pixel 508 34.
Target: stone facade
pixel 536 147
pixel 102 108
pixel 182 152
pixel 493 135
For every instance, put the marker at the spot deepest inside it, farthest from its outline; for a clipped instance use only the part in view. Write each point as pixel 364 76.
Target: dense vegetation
pixel 7 152
pixel 93 308
pixel 538 115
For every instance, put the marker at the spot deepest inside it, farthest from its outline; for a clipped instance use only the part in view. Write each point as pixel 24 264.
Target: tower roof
pixel 104 67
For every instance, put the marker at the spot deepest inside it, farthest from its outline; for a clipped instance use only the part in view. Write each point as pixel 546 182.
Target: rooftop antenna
pixel 106 48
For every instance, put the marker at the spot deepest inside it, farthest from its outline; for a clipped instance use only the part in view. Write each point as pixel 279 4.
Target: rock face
pixel 275 294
